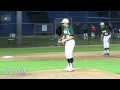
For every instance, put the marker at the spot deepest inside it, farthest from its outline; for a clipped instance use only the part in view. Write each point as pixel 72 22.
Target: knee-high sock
pixel 105 50
pixel 72 61
pixel 108 51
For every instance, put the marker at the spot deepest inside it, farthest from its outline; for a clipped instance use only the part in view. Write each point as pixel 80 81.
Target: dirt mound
pixel 60 74
pixel 95 55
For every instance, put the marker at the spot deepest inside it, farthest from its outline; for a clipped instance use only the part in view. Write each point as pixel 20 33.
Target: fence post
pixel 19 27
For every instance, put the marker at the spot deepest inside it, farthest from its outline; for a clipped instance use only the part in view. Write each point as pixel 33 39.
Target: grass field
pixel 112 66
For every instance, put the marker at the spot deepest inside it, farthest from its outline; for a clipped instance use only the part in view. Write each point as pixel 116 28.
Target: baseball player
pixel 118 33
pixel 68 39
pixel 85 29
pixel 93 30
pixel 105 37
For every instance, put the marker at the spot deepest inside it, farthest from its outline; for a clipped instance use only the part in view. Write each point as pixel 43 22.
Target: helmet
pixel 102 23
pixel 65 20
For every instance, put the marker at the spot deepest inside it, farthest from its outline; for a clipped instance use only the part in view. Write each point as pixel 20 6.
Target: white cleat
pixel 70 69
pixel 73 69
pixel 66 69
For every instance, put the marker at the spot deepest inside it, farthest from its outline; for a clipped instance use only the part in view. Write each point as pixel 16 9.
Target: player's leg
pixel 84 36
pixel 104 45
pixel 66 55
pixel 71 44
pixel 108 45
pixel 118 34
pixel 92 34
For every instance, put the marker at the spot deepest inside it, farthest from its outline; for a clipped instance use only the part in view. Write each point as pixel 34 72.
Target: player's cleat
pixel 105 54
pixel 70 69
pixel 66 68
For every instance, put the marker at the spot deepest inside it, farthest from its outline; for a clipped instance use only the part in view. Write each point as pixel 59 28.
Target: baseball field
pixel 49 62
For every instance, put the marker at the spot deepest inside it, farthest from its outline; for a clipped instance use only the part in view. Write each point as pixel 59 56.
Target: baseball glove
pixel 60 42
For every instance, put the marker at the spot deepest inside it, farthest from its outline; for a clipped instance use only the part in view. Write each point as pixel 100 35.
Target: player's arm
pixel 71 37
pixel 63 37
pixel 110 32
pixel 101 37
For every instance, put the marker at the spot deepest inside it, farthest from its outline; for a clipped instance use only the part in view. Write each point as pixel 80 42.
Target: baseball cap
pixel 65 20
pixel 102 23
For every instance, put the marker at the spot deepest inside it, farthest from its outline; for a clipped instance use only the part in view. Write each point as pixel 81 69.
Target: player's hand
pixel 64 40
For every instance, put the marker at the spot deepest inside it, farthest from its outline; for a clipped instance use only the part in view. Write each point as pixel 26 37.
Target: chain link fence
pixel 46 34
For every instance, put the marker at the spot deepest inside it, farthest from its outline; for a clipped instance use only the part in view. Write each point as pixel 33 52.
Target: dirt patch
pixel 60 74
pixel 95 55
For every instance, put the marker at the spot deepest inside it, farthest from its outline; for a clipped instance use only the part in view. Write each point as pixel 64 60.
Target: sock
pixel 72 61
pixel 108 51
pixel 105 50
pixel 68 60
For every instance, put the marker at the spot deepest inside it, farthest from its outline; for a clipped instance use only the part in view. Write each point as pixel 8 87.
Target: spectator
pixel 112 28
pixel 118 33
pixel 93 30
pixel 77 28
pixel 85 29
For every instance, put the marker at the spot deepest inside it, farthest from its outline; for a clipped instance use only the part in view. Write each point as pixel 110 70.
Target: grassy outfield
pixel 31 66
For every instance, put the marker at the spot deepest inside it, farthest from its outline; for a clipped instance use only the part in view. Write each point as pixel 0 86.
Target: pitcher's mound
pixel 60 74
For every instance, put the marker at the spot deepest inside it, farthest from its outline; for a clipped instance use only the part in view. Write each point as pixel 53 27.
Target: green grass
pixel 45 40
pixel 109 66
pixel 10 51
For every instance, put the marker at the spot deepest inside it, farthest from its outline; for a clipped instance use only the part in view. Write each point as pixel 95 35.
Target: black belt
pixel 70 39
pixel 106 35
